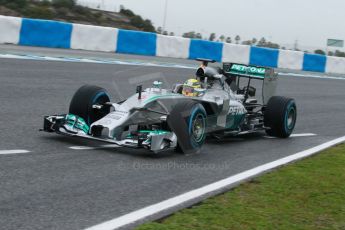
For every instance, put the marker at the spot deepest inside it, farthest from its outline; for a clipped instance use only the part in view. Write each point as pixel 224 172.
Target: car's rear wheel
pixel 83 101
pixel 280 116
pixel 188 121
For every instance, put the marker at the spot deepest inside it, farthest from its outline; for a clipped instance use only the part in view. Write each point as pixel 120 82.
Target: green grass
pixel 309 194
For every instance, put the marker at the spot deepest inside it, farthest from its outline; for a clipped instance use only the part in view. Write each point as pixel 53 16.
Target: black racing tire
pixel 83 100
pixel 188 121
pixel 280 116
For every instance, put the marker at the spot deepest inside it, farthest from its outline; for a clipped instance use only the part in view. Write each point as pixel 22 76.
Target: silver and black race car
pixel 217 102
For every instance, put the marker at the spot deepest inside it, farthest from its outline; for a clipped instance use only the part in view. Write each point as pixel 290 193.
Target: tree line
pixel 253 42
pixel 69 10
pixel 237 39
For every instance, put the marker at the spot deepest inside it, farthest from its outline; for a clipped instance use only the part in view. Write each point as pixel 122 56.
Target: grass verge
pixel 309 194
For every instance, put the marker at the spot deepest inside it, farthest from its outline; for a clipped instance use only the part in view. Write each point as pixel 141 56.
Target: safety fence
pixel 54 34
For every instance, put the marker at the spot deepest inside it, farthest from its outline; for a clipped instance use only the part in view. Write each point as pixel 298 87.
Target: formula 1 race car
pixel 214 103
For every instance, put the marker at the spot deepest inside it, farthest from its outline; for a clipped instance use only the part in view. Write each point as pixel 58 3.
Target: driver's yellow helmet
pixel 189 88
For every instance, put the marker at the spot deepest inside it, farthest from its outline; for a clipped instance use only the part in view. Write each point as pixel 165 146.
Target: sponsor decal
pixel 248 69
pixel 233 110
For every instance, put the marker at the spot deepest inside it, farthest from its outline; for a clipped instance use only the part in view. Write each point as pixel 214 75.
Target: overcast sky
pixel 310 22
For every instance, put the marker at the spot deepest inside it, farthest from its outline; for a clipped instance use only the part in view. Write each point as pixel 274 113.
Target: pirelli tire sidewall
pixel 188 121
pixel 280 116
pixel 197 118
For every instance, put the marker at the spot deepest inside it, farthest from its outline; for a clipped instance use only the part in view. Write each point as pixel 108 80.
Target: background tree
pixel 228 40
pixel 165 32
pixel 190 34
pixel 198 36
pixel 254 41
pixel 136 20
pixel 145 25
pixel 237 39
pixel 64 3
pixel 127 12
pixel 14 4
pixel 321 52
pixel 171 34
pixel 262 42
pixel 159 30
pixel 212 37
pixel 339 53
pixel 272 45
pixel 248 42
pixel 222 38
pixel 68 10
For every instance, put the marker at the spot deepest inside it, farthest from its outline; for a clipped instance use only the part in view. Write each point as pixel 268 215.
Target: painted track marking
pixel 98 61
pixel 313 76
pixel 139 63
pixel 210 189
pixel 15 151
pixel 295 135
pixel 303 135
pixel 93 148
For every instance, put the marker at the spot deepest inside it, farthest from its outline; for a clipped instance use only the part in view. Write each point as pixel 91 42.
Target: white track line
pixel 92 148
pixel 97 61
pixel 312 76
pixel 146 212
pixel 303 135
pixel 295 135
pixel 82 148
pixel 16 151
pixel 141 63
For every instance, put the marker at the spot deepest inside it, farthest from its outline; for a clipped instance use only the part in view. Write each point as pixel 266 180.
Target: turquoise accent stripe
pixel 233 121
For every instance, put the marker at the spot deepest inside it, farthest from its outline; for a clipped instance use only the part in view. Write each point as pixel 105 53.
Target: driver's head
pixel 190 88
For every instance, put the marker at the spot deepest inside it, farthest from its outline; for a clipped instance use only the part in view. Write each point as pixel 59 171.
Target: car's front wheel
pixel 83 101
pixel 188 121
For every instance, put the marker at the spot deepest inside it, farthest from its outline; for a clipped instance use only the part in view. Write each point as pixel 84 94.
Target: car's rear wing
pixel 266 74
pixel 256 72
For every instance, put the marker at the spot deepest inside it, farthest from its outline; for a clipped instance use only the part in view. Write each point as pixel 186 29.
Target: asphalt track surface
pixel 56 187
